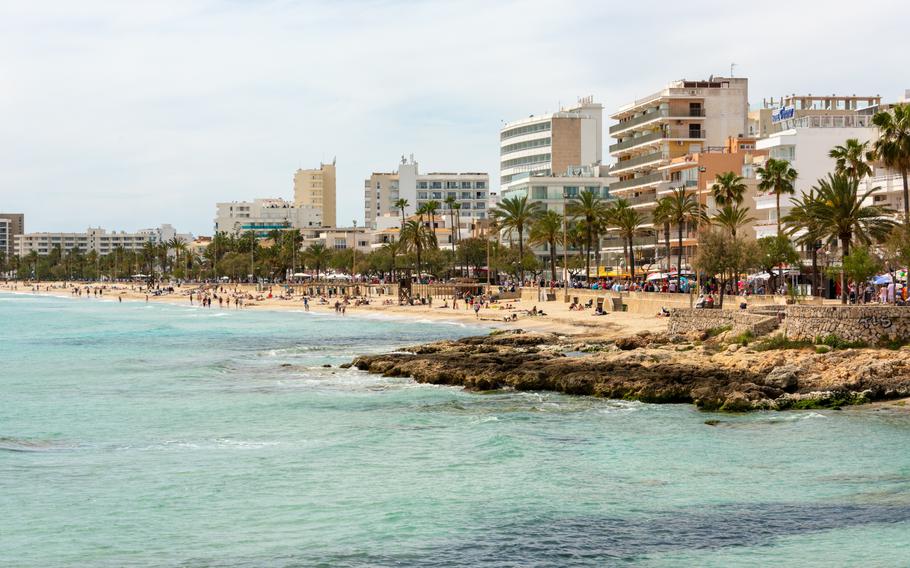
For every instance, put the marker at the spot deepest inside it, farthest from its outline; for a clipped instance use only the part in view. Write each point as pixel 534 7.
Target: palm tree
pixel 451 203
pixel 728 188
pixel 662 216
pixel 628 220
pixel 850 159
pixel 778 177
pixel 317 255
pixel 591 210
pixel 841 215
pixel 514 214
pixel 401 204
pixel 732 218
pixel 683 208
pixel 430 208
pixel 416 237
pixel 544 231
pixel 393 248
pixel 893 145
pixel 803 224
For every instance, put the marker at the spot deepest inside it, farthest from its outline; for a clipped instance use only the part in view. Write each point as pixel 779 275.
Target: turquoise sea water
pixel 155 435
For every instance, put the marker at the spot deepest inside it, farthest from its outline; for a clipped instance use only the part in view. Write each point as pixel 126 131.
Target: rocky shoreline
pixel 712 373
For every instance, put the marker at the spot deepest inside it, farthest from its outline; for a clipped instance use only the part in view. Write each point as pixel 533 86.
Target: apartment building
pixel 264 215
pixel 805 143
pixel 14 225
pixel 6 239
pixel 471 190
pixel 95 239
pixel 315 189
pixel 683 118
pixel 551 143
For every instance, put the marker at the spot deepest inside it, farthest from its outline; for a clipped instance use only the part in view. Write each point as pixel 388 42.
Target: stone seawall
pixel 870 324
pixel 687 320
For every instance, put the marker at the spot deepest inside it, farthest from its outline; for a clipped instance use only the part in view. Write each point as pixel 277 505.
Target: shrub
pixel 780 341
pixel 835 342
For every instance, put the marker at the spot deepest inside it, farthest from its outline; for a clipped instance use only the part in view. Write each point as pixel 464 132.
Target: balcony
pixel 644 159
pixel 679 113
pixel 659 135
pixel 637 141
pixel 619 242
pixel 641 119
pixel 639 181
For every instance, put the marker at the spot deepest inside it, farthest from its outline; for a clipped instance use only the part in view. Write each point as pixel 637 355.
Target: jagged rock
pixel 629 343
pixel 785 378
pixel 635 368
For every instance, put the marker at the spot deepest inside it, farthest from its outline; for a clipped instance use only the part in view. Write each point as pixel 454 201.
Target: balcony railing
pixel 632 142
pixel 641 180
pixel 657 114
pixel 657 135
pixel 641 119
pixel 645 159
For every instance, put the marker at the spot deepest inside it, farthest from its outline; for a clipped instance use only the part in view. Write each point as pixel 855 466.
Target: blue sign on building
pixel 780 114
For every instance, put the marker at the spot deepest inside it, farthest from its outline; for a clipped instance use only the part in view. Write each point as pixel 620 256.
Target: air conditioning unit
pixel 679 142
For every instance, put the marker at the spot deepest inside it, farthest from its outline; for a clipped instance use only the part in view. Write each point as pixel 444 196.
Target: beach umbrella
pixel 882 279
pixel 658 276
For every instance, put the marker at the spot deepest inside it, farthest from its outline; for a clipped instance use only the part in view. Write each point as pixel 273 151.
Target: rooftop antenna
pixel 732 65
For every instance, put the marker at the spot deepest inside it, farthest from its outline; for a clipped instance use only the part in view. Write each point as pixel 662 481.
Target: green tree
pixel 842 215
pixel 861 266
pixel 728 189
pixel 516 214
pixel 778 177
pixel 732 218
pixel 850 159
pixel 545 229
pixel 683 208
pixel 401 205
pixel 416 237
pixel 317 256
pixel 893 145
pixel 628 221
pixel 590 212
pixel 774 252
pixel 723 257
pixel 802 225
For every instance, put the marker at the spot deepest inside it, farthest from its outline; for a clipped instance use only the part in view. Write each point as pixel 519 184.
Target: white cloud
pixel 129 115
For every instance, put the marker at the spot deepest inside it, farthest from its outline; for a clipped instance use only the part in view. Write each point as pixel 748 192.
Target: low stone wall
pixel 687 320
pixel 850 323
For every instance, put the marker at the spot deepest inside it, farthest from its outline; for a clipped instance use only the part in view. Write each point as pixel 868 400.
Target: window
pixel 480 205
pixel 421 195
pixel 539 192
pixel 341 243
pixel 450 194
pixel 437 195
pixel 465 185
pixel 465 195
pixel 481 185
pixel 421 185
pixel 571 191
pixel 451 185
pixel 436 185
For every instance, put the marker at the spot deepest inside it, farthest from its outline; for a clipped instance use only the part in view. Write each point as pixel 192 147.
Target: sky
pixel 126 115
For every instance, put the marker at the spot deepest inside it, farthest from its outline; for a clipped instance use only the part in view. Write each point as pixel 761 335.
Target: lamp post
pixel 565 248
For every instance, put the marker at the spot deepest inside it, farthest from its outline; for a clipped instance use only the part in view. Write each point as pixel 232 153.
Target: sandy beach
pixel 558 319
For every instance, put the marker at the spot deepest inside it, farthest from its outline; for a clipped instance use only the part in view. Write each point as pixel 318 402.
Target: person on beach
pixel 477 310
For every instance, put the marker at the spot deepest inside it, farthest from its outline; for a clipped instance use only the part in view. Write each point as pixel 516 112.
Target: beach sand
pixel 558 319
